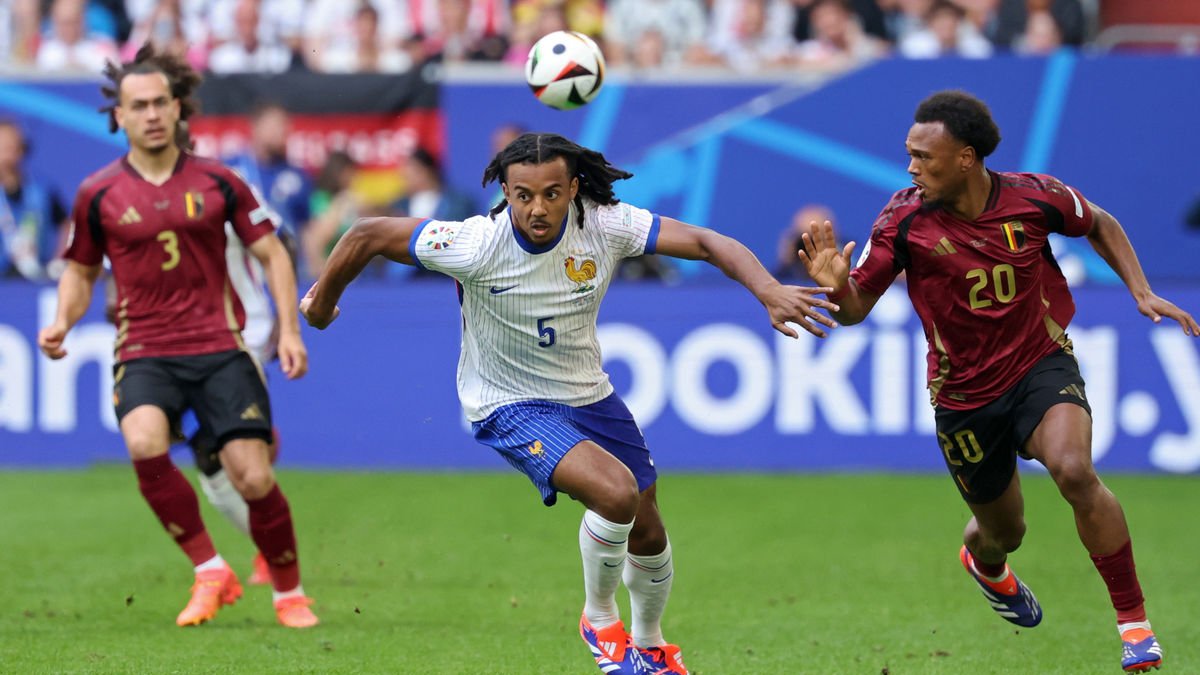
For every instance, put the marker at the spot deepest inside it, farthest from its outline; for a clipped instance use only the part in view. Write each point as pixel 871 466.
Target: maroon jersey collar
pixel 134 172
pixel 994 196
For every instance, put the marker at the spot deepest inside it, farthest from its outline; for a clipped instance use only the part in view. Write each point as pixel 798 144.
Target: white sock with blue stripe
pixel 603 546
pixel 648 578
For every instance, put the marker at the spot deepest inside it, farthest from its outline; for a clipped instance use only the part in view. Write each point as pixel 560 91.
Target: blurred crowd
pixel 345 36
pixel 341 36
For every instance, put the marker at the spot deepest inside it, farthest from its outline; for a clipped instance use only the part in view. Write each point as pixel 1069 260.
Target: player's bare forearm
pixel 75 292
pixel 368 238
pixel 1110 241
pixel 680 240
pixel 281 280
pixel 74 295
pixel 854 304
pixel 784 304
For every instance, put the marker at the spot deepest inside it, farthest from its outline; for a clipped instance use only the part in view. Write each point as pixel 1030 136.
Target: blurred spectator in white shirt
pixel 19 28
pixel 247 53
pixel 332 31
pixel 279 21
pixel 462 30
pixel 68 46
pixel 750 34
pixel 168 26
pixel 682 24
pixel 838 40
pixel 947 32
pixel 904 17
pixel 368 52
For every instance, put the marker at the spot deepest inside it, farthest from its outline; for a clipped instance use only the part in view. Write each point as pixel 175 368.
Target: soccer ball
pixel 565 69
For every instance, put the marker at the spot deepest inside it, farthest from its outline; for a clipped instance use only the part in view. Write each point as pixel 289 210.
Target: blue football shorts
pixel 534 436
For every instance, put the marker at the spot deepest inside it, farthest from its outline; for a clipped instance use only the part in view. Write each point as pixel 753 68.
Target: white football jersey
pixel 529 312
pixel 248 279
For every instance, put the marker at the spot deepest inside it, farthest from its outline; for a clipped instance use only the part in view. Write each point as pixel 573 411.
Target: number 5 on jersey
pixel 170 244
pixel 545 332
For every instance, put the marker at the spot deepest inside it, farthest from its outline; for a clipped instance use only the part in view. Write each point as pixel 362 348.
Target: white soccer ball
pixel 565 69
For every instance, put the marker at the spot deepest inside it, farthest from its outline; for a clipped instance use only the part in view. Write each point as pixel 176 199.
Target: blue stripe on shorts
pixel 533 436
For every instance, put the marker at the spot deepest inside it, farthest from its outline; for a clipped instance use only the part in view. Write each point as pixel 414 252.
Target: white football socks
pixel 297 592
pixel 649 578
pixel 214 563
pixel 1122 627
pixel 603 546
pixel 226 499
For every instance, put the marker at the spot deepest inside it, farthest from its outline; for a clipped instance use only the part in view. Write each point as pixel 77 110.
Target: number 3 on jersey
pixel 170 242
pixel 545 332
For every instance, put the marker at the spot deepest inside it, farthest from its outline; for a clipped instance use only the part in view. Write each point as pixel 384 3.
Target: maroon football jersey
pixel 166 244
pixel 990 295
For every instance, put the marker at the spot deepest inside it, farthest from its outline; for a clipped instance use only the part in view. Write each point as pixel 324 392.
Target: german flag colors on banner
pixel 379 120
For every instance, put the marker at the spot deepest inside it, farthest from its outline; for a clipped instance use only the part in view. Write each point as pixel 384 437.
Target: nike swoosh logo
pixel 659 581
pixel 607 565
pixel 497 291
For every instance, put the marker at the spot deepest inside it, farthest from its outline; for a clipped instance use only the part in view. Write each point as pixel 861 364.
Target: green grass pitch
pixel 468 573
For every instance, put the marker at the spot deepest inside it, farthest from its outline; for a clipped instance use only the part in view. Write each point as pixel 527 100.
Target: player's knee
pixel 145 446
pixel 254 482
pixel 1076 478
pixel 618 500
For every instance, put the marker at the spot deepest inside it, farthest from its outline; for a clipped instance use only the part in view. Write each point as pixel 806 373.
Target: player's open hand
pixel 824 262
pixel 1156 308
pixel 293 355
pixel 316 316
pixel 798 305
pixel 50 341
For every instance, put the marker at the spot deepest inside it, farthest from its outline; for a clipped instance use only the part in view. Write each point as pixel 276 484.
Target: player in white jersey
pixel 531 276
pixel 248 279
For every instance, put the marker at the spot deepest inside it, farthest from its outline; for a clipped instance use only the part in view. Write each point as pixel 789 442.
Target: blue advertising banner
pixel 712 385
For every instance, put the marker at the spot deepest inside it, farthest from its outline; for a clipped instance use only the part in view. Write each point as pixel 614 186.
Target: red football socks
pixel 173 500
pixel 272 531
pixel 1117 570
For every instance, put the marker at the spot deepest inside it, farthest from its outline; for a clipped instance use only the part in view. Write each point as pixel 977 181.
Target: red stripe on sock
pixel 1119 574
pixel 989 569
pixel 173 500
pixel 273 533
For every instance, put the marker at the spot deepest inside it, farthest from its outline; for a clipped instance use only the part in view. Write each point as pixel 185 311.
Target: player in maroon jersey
pixel 1002 377
pixel 159 215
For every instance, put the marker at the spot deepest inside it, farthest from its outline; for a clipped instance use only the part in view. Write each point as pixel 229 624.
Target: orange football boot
pixel 212 590
pixel 261 575
pixel 294 612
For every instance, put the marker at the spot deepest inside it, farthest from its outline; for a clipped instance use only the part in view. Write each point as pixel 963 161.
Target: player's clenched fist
pixel 50 340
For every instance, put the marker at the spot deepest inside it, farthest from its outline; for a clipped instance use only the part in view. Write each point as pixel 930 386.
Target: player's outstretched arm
pixel 281 280
pixel 368 238
pixel 830 266
pixel 74 295
pixel 1110 241
pixel 785 304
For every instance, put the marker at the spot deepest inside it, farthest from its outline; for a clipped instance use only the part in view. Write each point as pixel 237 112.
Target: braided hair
pixel 181 78
pixel 596 176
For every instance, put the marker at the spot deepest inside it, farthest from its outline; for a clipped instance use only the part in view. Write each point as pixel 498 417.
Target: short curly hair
pixel 182 77
pixel 965 117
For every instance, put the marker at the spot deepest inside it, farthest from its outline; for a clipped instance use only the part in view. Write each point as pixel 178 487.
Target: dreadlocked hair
pixel 596 176
pixel 181 77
